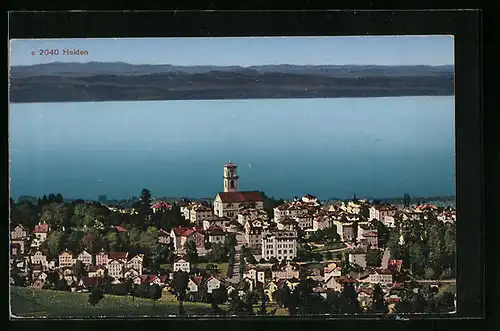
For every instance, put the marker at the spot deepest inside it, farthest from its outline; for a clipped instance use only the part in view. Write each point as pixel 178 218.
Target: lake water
pixel 374 147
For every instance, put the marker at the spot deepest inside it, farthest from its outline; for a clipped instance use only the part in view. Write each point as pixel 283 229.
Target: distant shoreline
pixel 414 199
pixel 92 82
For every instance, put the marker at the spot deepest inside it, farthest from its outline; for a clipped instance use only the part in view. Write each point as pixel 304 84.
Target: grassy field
pixel 29 302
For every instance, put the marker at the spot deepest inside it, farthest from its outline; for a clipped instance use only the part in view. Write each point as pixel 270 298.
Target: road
pixel 240 239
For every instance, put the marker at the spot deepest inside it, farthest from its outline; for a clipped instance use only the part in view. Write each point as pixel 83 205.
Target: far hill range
pixel 119 81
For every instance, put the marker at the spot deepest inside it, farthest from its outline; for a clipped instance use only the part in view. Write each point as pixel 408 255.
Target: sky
pixel 244 51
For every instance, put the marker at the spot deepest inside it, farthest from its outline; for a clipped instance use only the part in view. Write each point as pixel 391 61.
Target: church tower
pixel 230 178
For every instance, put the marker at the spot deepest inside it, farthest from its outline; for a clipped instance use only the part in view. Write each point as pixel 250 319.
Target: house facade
pixel 115 268
pixel 39 258
pixel 19 232
pixel 182 264
pixel 280 244
pixel 136 263
pixel 66 259
pixel 85 257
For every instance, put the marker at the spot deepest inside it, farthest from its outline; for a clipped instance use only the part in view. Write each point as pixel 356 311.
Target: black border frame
pixel 463 24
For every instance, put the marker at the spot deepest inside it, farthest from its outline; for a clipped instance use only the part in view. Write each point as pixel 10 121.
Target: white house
pixel 182 264
pixel 85 257
pixel 281 244
pixel 136 263
pixel 212 284
pixel 115 268
pixel 19 232
pixel 382 277
pixel 39 258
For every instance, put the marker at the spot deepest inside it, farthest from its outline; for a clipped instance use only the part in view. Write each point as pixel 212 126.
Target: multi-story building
pixel 199 213
pixel 215 235
pixel 41 232
pixel 221 222
pixel 251 214
pixel 85 257
pixel 182 264
pixel 19 232
pixel 39 258
pixel 380 211
pixel 379 276
pixel 280 244
pixel 136 263
pixel 253 237
pixel 289 271
pixel 66 259
pixel 305 221
pixel 101 258
pixel 115 268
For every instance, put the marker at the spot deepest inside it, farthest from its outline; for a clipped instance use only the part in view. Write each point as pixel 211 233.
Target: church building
pixel 231 201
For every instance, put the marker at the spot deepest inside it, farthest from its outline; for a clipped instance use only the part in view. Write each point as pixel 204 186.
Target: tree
pixel 373 257
pixel 332 303
pixel 217 253
pixel 191 250
pixel 145 204
pixel 148 238
pixel 242 266
pixel 154 294
pixel 417 259
pixel 180 285
pixel 364 211
pixel 55 240
pixel 263 301
pixel 92 241
pixel 79 269
pixel 378 305
pixel 331 235
pixel 96 295
pixel 383 233
pixel 349 300
pixel 24 213
pixel 56 215
pixel 407 200
pixel 446 302
pixel 236 305
pixel 159 254
pixel 219 296
pixel 346 265
pixel 249 299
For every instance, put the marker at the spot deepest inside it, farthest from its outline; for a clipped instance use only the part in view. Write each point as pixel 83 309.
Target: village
pixel 383 256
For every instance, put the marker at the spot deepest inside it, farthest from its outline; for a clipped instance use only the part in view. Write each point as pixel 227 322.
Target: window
pixel 279 251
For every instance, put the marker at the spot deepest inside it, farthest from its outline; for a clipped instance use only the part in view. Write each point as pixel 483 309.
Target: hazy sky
pixel 379 50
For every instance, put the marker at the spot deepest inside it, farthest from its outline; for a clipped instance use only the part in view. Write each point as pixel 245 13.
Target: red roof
pixel 96 267
pixel 197 280
pixel 241 196
pixel 41 228
pixel 395 262
pixel 230 165
pixel 188 232
pixel 121 229
pixel 179 230
pixel 383 271
pixel 215 229
pixel 161 204
pixel 90 281
pixel 368 291
pixel 118 255
pixel 370 234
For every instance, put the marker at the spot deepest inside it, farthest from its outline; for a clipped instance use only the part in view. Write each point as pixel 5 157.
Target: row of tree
pixel 427 246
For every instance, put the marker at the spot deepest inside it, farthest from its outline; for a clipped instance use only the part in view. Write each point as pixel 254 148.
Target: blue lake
pixel 374 147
